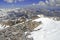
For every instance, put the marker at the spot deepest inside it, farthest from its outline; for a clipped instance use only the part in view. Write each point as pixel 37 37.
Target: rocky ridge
pixel 17 29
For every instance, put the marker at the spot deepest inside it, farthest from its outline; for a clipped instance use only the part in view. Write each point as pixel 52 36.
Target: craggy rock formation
pixel 17 29
pixel 32 24
pixel 12 33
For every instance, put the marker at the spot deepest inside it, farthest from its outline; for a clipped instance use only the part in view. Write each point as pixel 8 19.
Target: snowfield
pixel 50 30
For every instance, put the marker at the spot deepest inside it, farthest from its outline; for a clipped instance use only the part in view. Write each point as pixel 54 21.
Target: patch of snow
pixel 50 30
pixel 3 27
pixel 40 15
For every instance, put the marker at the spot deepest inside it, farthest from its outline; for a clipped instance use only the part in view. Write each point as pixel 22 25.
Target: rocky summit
pixel 17 28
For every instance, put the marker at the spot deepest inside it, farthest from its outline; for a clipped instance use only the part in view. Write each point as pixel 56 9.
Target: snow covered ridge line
pixel 39 17
pixel 54 18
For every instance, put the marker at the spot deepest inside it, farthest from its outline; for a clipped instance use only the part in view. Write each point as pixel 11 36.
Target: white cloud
pixel 57 4
pixel 54 2
pixel 46 2
pixel 33 4
pixel 58 1
pixel 41 3
pixel 11 1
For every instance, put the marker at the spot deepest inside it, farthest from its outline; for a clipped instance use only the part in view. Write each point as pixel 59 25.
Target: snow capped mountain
pixel 49 29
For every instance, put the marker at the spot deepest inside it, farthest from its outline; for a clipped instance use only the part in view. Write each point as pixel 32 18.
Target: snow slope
pixel 50 30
